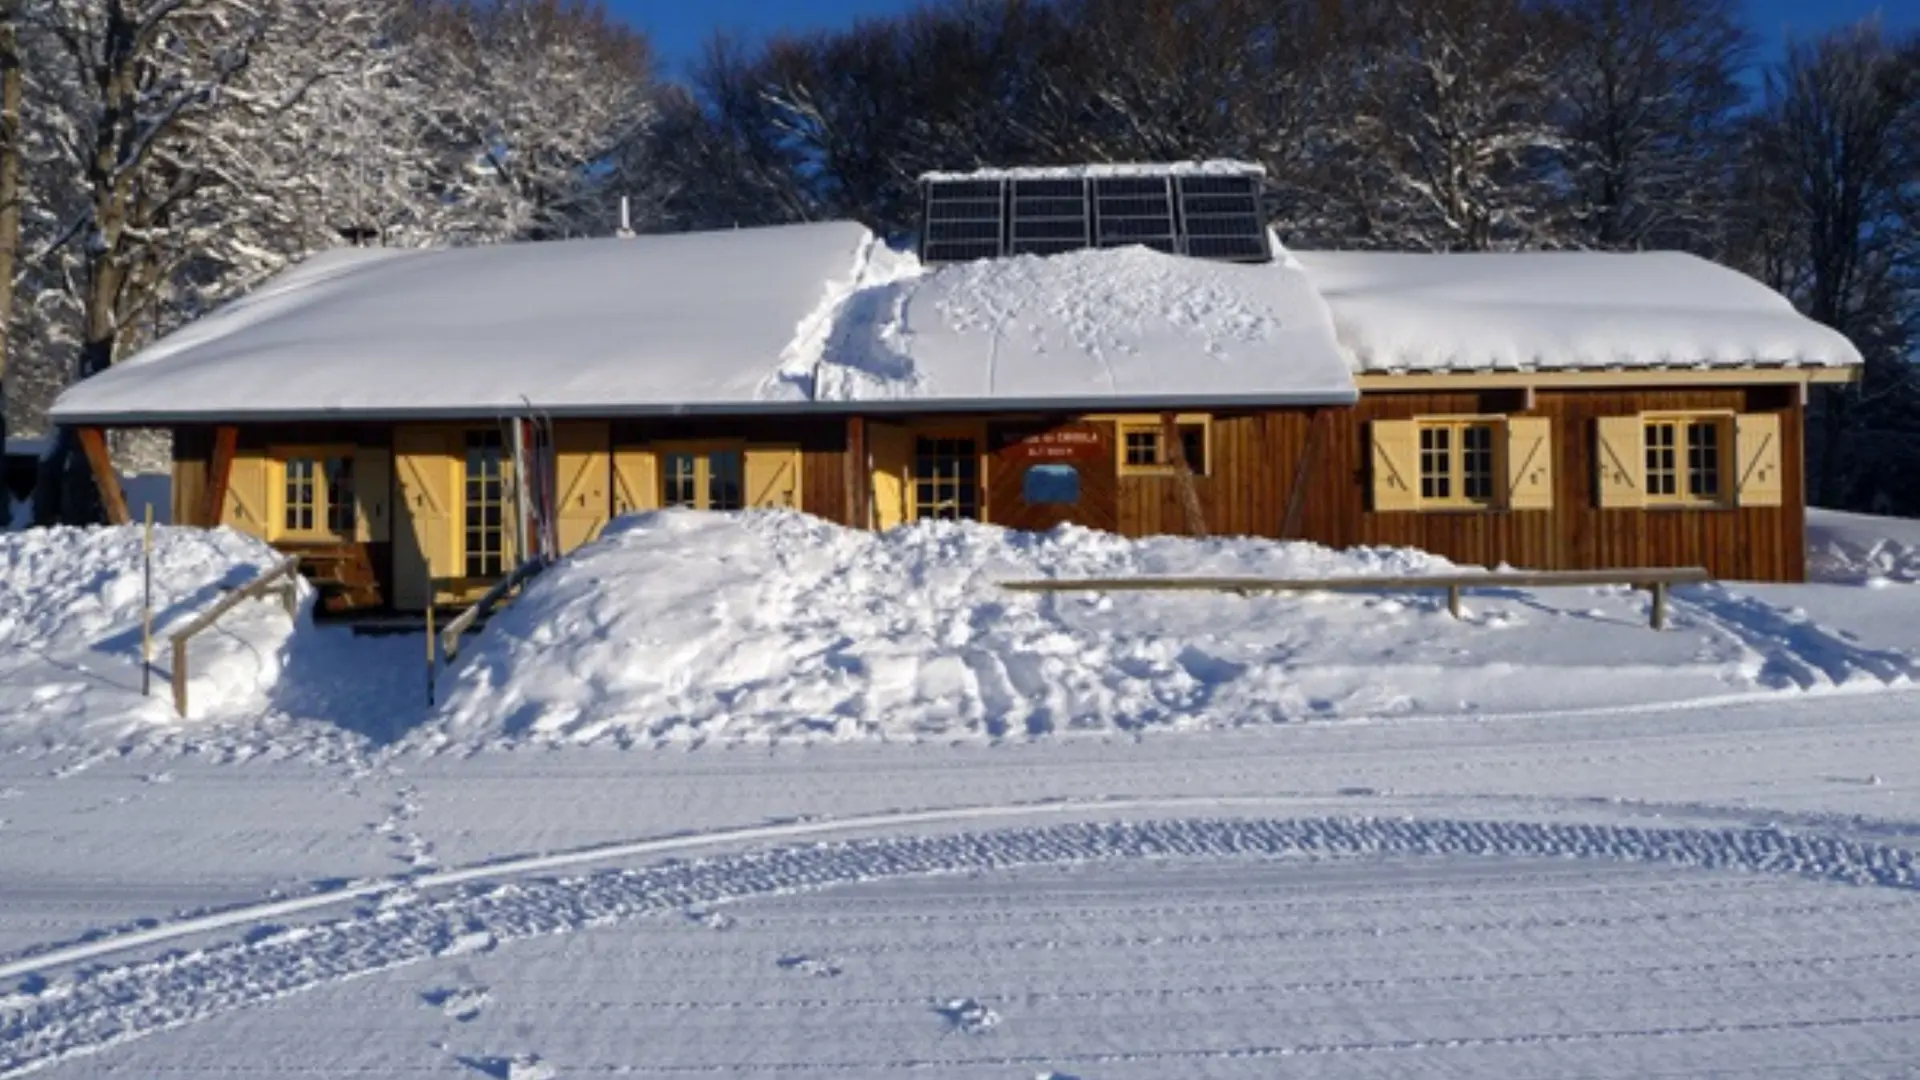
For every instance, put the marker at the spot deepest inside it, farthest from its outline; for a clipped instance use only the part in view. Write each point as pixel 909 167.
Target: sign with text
pixel 1078 442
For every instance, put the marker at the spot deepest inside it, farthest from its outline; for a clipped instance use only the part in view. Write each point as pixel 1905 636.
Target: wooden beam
pixel 1610 379
pixel 226 440
pixel 93 441
pixel 1309 460
pixel 859 475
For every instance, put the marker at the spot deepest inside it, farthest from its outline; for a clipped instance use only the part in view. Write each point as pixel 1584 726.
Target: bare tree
pixel 1829 175
pixel 1650 88
pixel 12 88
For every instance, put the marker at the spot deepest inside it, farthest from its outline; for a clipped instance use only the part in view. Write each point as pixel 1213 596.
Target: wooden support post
pixel 431 658
pixel 1453 600
pixel 93 441
pixel 213 502
pixel 859 475
pixel 1659 605
pixel 180 676
pixel 1176 452
pixel 1303 475
pixel 146 607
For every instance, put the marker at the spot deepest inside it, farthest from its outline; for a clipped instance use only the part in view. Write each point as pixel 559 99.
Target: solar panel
pixel 987 215
pixel 1221 218
pixel 965 220
pixel 1135 210
pixel 1049 216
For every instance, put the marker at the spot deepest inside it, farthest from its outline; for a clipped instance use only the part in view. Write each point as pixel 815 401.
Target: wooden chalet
pixel 1123 348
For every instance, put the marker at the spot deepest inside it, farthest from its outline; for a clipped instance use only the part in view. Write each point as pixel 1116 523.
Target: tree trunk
pixel 11 80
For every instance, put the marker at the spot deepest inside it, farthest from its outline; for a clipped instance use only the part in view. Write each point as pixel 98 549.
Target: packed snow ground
pixel 1720 887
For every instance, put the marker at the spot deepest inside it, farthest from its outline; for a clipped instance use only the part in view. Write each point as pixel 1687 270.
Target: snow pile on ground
pixel 682 626
pixel 1859 549
pixel 70 603
pixel 1086 326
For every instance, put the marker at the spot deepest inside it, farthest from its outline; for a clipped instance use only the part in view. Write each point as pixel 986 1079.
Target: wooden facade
pixel 1309 474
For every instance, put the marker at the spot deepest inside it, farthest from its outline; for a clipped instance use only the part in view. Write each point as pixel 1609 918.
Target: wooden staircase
pixel 342 573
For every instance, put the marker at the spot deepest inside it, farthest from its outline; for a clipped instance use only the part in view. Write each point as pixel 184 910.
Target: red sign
pixel 1059 444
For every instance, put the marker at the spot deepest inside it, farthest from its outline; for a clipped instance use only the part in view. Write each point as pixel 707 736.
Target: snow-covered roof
pixel 659 323
pixel 1561 310
pixel 825 318
pixel 796 318
pixel 1215 167
pixel 1086 328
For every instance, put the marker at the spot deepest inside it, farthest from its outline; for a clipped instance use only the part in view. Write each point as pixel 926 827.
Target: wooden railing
pixel 465 621
pixel 284 578
pixel 1656 580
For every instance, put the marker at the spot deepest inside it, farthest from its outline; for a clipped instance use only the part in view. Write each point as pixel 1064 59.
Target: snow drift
pixel 682 626
pixel 1861 549
pixel 70 630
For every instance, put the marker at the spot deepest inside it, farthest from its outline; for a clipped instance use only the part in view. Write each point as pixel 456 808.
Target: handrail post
pixel 180 676
pixel 1659 605
pixel 1453 599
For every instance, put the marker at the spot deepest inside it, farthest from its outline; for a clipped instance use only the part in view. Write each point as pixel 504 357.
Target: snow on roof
pixel 825 317
pixel 1561 310
pixel 1084 329
pixel 1216 167
pixel 657 323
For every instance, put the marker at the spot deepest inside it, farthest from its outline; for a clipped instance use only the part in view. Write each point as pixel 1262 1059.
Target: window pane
pixel 679 481
pixel 1050 484
pixel 1143 448
pixel 724 482
pixel 1476 461
pixel 946 479
pixel 1703 460
pixel 340 512
pixel 1193 443
pixel 1436 463
pixel 1662 461
pixel 299 494
pixel 485 507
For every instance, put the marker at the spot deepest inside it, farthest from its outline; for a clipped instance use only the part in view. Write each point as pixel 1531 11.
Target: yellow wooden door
pixel 773 477
pixel 583 469
pixel 636 481
pixel 426 543
pixel 890 448
pixel 249 499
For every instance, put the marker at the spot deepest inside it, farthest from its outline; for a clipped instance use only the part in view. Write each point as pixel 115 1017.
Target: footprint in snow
pixel 712 920
pixel 809 965
pixel 518 1067
pixel 968 1015
pixel 462 1003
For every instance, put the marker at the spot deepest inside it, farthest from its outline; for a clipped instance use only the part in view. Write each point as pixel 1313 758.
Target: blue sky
pixel 680 27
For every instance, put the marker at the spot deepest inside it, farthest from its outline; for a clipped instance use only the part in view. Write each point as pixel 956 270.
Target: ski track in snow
pixel 48 1020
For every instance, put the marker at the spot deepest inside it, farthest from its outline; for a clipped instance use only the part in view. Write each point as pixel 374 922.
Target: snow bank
pixel 1435 312
pixel 70 604
pixel 1083 329
pixel 682 626
pixel 1855 549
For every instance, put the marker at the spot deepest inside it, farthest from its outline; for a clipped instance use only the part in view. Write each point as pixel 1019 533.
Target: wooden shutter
pixel 1529 463
pixel 372 494
pixel 250 501
pixel 583 470
pixel 636 481
pixel 773 476
pixel 1620 461
pixel 891 448
pixel 1761 478
pixel 1396 464
pixel 426 545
